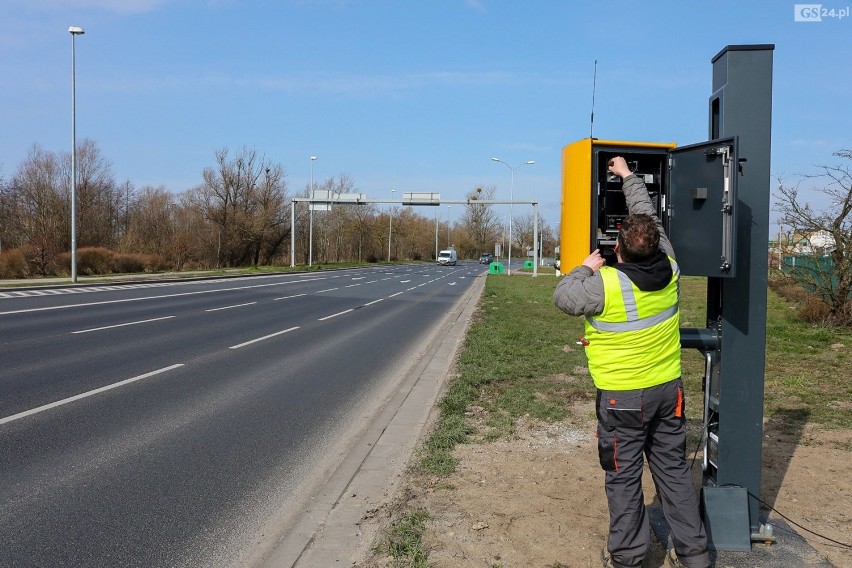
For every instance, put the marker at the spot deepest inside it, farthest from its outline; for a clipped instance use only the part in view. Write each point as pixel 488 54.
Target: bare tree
pixel 42 220
pixel 480 221
pixel 830 281
pixel 245 199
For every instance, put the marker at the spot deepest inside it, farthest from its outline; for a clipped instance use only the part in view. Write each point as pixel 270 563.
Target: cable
pixel 788 519
pixel 770 507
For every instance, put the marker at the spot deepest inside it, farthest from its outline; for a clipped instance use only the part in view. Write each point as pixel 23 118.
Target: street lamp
pixel 511 198
pixel 311 216
pixel 436 234
pixel 449 234
pixel 74 31
pixel 390 224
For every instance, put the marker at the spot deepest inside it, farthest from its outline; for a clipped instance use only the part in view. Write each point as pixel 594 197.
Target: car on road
pixel 486 258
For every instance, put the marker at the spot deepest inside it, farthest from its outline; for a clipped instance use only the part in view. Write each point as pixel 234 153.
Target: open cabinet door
pixel 703 207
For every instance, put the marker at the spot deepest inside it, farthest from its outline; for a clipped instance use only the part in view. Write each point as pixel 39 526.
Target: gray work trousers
pixel 648 422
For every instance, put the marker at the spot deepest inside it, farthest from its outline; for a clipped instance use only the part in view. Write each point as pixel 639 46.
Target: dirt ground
pixel 538 501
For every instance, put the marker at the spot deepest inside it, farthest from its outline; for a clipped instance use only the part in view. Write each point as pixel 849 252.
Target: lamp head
pixel 75 30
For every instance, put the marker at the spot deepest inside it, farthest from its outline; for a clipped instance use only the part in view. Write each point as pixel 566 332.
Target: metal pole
pixel 390 224
pixel 436 234
pixel 74 31
pixel 292 233
pixel 511 198
pixel 535 240
pixel 311 216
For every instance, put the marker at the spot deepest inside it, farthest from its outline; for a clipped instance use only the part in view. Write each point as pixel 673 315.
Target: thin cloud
pixel 117 6
pixel 333 83
pixel 476 5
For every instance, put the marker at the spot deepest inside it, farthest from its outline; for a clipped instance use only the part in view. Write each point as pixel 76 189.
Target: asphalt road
pixel 181 424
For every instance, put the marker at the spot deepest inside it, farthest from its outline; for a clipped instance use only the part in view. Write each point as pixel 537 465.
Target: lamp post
pixel 311 216
pixel 74 31
pixel 390 224
pixel 449 234
pixel 436 234
pixel 511 198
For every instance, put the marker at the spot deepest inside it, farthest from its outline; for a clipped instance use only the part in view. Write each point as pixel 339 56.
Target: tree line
pixel 239 215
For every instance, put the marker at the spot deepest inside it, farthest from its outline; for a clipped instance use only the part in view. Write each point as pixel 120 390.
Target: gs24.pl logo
pixel 816 12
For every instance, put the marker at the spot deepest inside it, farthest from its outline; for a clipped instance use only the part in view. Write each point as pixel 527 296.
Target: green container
pixel 529 264
pixel 496 268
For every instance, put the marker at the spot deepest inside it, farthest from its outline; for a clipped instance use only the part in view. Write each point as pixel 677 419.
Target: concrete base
pixel 790 550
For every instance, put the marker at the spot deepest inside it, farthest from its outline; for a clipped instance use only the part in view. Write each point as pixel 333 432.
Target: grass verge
pixel 520 359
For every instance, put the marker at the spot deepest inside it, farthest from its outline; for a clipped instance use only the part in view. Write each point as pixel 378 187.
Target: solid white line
pixel 262 338
pixel 337 314
pixel 397 294
pixel 122 324
pixel 329 290
pixel 374 302
pixel 229 307
pixel 288 297
pixel 87 394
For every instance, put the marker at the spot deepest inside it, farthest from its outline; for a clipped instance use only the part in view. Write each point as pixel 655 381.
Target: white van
pixel 447 257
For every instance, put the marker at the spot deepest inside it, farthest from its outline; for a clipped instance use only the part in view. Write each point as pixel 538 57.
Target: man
pixel 632 341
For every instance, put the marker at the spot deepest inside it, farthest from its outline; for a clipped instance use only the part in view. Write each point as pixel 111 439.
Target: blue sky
pixel 404 95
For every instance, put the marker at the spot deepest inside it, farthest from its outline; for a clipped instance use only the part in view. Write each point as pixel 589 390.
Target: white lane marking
pixel 264 337
pixel 397 294
pixel 452 283
pixel 288 297
pixel 86 394
pixel 86 304
pixel 229 307
pixel 404 281
pixel 374 302
pixel 352 285
pixel 371 282
pixel 329 290
pixel 358 277
pixel 410 289
pixel 335 315
pixel 121 324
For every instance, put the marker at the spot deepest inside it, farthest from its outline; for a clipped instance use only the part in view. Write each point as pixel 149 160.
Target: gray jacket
pixel 581 291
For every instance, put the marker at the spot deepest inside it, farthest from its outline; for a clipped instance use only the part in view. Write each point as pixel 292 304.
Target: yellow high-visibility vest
pixel 635 342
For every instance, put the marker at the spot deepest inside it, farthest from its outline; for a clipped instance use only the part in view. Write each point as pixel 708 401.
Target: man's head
pixel 639 238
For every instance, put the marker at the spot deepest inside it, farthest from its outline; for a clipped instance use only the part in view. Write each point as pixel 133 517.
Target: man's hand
pixel 594 260
pixel 618 166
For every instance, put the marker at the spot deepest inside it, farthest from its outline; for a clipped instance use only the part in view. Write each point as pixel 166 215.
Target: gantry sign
pixel 323 200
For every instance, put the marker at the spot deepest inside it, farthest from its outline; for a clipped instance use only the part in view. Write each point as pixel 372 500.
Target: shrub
pixel 94 260
pixel 128 263
pixel 13 264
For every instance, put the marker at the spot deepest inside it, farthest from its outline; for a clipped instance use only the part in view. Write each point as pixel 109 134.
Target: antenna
pixel 594 84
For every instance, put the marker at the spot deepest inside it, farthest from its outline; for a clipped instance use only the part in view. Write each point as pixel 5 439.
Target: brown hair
pixel 639 238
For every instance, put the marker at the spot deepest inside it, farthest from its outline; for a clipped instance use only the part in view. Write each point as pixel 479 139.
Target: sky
pixel 404 95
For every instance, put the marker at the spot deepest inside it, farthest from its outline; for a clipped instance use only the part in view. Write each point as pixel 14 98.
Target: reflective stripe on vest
pixel 634 322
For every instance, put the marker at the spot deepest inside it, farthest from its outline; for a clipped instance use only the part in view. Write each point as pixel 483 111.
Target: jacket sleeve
pixel 638 201
pixel 580 292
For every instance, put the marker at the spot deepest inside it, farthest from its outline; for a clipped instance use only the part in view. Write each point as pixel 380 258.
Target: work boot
pixel 672 560
pixel 606 559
